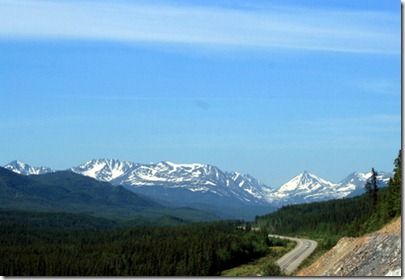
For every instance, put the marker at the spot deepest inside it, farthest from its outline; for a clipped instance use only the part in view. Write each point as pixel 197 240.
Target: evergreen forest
pixel 199 249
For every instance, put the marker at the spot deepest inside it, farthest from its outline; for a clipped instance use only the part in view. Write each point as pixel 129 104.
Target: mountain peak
pixel 306 175
pixel 305 182
pixel 25 169
pixel 17 163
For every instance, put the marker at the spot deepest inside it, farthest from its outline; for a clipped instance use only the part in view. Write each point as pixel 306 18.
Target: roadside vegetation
pixel 265 266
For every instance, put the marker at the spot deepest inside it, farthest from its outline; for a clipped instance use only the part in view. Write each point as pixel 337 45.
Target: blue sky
pixel 269 88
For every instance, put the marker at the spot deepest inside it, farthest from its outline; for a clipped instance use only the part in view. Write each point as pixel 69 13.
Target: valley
pixel 53 217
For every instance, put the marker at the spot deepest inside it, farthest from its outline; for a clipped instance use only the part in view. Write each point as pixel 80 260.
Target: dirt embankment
pixel 376 254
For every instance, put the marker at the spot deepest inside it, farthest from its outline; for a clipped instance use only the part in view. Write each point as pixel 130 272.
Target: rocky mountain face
pixel 105 170
pixel 205 186
pixel 195 178
pixel 376 254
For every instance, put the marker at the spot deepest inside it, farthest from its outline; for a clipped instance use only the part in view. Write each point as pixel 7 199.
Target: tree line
pixel 385 206
pixel 194 250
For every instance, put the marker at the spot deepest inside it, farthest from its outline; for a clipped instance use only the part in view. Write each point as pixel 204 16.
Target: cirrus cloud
pixel 285 27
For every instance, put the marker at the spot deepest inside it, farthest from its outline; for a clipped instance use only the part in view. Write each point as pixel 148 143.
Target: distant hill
pixel 82 189
pixel 70 192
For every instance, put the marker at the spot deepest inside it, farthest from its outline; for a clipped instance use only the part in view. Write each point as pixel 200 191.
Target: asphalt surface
pixel 290 261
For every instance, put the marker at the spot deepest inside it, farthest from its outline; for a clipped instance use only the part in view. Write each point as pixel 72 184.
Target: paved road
pixel 290 261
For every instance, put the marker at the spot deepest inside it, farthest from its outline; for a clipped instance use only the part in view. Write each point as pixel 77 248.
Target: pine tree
pixel 371 187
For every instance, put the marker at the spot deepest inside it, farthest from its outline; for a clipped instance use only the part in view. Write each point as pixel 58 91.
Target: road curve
pixel 290 261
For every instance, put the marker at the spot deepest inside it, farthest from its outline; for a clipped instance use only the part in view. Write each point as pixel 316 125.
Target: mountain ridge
pixel 199 185
pixel 26 169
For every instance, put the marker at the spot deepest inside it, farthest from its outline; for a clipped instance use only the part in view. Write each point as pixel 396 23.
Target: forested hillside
pixel 331 219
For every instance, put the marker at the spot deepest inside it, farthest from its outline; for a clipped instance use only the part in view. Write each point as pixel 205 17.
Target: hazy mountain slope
pixel 20 192
pixel 66 190
pixel 89 190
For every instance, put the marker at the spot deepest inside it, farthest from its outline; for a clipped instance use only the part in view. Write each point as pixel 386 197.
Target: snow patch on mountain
pixel 25 169
pixel 305 187
pixel 104 170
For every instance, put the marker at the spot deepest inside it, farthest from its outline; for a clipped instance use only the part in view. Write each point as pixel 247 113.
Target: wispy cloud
pixel 380 86
pixel 212 27
pixel 379 123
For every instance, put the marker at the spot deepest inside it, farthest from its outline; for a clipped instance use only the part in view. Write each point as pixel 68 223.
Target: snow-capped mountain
pixel 25 169
pixel 307 187
pixel 195 177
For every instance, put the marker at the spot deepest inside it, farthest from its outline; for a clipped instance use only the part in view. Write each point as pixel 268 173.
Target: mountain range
pixel 66 191
pixel 206 187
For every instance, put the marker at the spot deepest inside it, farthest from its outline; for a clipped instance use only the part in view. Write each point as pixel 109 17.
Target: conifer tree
pixel 394 189
pixel 371 187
